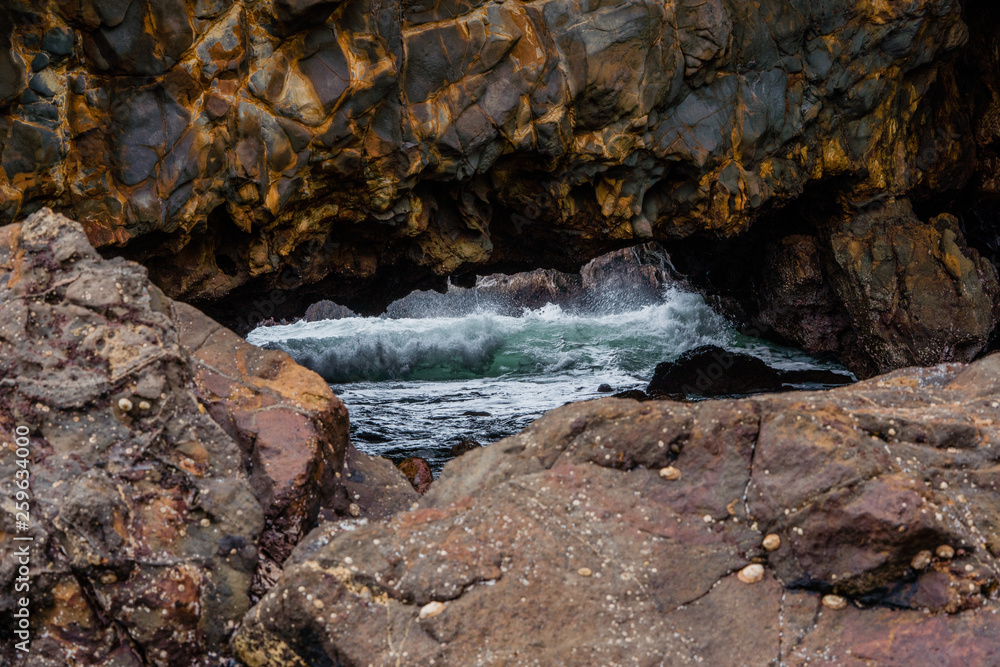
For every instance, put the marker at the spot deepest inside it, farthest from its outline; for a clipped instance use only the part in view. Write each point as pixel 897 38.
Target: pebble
pixel 431 609
pixel 584 572
pixel 751 574
pixel 124 404
pixel 354 510
pixel 670 473
pixel 921 560
pixel 945 552
pixel 772 542
pixel 834 602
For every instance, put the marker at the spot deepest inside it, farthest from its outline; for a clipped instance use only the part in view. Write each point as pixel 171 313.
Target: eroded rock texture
pixel 566 544
pixel 145 527
pixel 256 144
pixel 172 465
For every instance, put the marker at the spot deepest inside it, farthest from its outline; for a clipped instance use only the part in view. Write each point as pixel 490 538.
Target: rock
pixel 357 150
pixel 632 394
pixel 795 299
pixel 418 471
pixel 605 388
pixel 464 446
pixel 504 533
pixel 915 293
pixel 327 310
pixel 375 485
pixel 712 371
pixel 291 429
pixel 173 465
pixel 145 528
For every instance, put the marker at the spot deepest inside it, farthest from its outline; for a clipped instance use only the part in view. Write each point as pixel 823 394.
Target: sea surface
pixel 415 386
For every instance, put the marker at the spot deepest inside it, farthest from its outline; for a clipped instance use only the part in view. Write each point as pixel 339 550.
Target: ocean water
pixel 416 386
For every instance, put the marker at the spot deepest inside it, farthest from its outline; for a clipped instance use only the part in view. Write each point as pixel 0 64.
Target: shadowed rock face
pixel 571 543
pixel 172 465
pixel 259 145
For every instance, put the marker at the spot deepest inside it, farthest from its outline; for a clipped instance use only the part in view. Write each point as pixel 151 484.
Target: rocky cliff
pixel 355 149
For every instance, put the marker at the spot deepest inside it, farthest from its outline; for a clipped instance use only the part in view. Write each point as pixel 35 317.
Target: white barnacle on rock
pixel 124 404
pixel 834 602
pixel 431 609
pixel 772 542
pixel 921 560
pixel 945 552
pixel 751 574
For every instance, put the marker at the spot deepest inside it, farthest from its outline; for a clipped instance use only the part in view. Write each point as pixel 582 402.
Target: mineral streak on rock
pixel 274 144
pixel 507 531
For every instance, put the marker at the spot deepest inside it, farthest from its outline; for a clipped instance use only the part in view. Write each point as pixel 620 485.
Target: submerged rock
pixel 565 544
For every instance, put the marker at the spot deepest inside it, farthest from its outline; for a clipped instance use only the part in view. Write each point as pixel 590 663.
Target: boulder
pixel 711 371
pixel 850 526
pixel 145 530
pixel 915 293
pixel 327 310
pixel 291 429
pixel 171 466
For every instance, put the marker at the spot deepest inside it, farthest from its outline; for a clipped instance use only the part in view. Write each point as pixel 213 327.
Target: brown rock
pixel 173 466
pixel 504 534
pixel 375 485
pixel 915 293
pixel 291 429
pixel 418 471
pixel 145 528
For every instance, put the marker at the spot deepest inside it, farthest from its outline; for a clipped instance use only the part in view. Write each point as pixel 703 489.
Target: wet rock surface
pixel 355 150
pixel 327 310
pixel 710 371
pixel 418 472
pixel 614 532
pixel 621 279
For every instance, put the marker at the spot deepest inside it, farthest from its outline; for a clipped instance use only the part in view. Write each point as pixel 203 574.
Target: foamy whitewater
pixel 416 386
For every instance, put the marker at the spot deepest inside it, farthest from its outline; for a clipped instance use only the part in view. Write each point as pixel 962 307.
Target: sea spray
pixel 486 344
